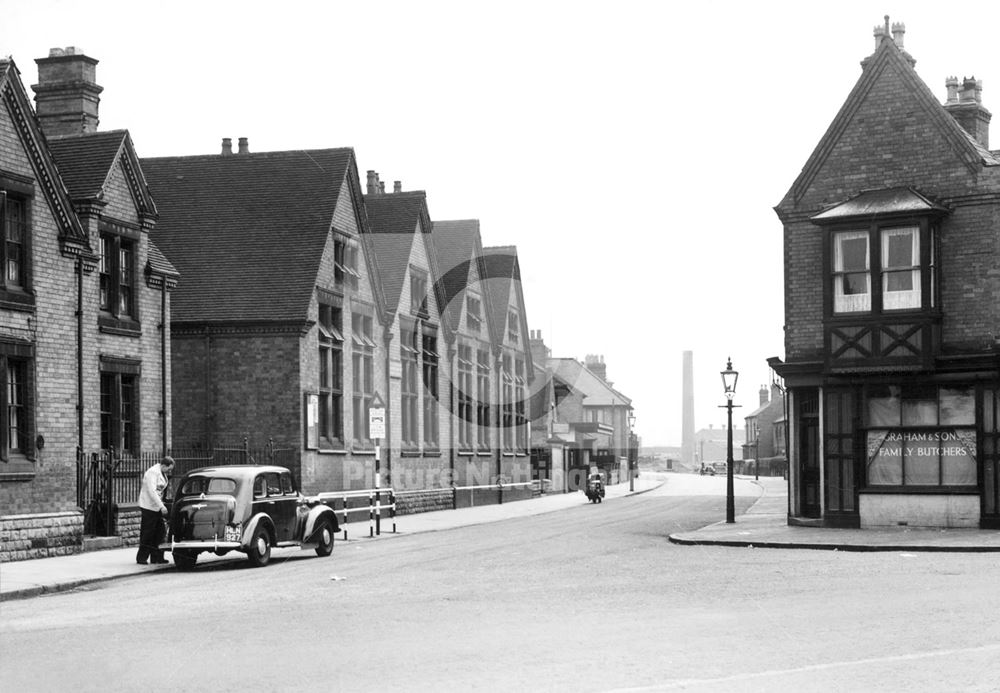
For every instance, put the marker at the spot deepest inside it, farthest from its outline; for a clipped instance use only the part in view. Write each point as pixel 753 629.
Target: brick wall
pixel 893 141
pixel 39 535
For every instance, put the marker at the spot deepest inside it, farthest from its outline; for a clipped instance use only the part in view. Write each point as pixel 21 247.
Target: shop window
pixel 921 435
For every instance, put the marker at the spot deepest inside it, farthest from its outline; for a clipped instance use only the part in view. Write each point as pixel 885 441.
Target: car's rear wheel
pixel 185 560
pixel 259 552
pixel 324 535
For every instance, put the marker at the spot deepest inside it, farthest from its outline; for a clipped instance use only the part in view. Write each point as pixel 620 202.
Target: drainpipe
pixel 79 353
pixel 499 420
pixel 387 454
pixel 208 386
pixel 163 363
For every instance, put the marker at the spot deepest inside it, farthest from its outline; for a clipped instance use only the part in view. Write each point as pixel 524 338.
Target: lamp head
pixel 729 378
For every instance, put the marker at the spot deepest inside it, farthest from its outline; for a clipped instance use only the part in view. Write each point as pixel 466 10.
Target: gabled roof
pixel 73 239
pixel 86 162
pixel 247 231
pixel 394 219
pixel 889 56
pixel 459 249
pixel 595 391
pixel 502 274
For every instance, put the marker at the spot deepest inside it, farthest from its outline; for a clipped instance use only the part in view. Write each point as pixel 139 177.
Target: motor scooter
pixel 595 488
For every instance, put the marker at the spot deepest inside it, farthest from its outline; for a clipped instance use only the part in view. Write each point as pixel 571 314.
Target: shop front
pixel 916 451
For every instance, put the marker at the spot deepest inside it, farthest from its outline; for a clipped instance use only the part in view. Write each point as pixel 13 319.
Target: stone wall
pixel 40 535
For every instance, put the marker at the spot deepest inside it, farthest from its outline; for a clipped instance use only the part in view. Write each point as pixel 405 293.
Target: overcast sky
pixel 632 151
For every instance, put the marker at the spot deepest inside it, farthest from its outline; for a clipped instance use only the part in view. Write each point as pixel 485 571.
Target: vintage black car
pixel 245 508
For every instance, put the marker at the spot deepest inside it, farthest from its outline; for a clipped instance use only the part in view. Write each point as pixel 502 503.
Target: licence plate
pixel 232 534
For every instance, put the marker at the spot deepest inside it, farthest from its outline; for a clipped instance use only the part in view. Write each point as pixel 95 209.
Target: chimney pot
pixel 898 30
pixel 381 187
pixel 951 84
pixel 372 183
pixel 227 146
pixel 397 186
pixel 244 146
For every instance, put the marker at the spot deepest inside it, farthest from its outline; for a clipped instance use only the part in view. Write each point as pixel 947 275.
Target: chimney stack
pixel 595 364
pixel 227 146
pixel 898 30
pixel 67 95
pixel 539 352
pixel 397 186
pixel 763 395
pixel 965 104
pixel 372 183
pixel 244 146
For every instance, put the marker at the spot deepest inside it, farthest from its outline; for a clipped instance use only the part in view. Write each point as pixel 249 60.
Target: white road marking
pixel 682 683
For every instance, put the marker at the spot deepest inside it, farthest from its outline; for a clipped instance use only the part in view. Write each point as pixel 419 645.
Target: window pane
pixel 958 406
pixel 852 251
pixel 900 248
pixel 883 407
pixel 922 460
pixel 887 467
pixel 958 467
pixel 920 411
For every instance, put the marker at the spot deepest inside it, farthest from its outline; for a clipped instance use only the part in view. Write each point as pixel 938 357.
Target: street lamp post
pixel 632 451
pixel 729 377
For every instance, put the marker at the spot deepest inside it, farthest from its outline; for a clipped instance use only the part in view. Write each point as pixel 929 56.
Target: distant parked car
pixel 245 508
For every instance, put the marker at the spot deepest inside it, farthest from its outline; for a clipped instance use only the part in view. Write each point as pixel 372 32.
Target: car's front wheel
pixel 259 551
pixel 185 560
pixel 324 535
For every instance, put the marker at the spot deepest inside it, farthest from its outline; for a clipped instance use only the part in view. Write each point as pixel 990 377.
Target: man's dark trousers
pixel 151 533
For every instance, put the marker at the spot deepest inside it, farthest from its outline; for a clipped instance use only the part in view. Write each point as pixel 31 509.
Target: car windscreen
pixel 197 485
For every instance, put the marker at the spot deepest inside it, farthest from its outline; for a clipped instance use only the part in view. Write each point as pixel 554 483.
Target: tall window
pixel 513 327
pixel 473 312
pixel 430 373
pixel 16 413
pixel 117 273
pixel 507 402
pixel 363 371
pixel 119 413
pixel 883 269
pixel 851 281
pixel 15 233
pixel 409 356
pixel 520 419
pixel 483 398
pixel 465 415
pixel 901 268
pixel 331 376
pixel 345 261
pixel 418 293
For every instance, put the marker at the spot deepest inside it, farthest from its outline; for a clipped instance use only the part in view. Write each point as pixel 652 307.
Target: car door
pixel 284 503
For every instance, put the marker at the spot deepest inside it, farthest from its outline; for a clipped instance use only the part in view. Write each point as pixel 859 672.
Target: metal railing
pixel 106 479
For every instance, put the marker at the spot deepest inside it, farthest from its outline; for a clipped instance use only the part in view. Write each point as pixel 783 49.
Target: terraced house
pixel 84 312
pixel 891 272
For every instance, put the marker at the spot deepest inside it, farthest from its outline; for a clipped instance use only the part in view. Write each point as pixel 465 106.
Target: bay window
pixel 883 269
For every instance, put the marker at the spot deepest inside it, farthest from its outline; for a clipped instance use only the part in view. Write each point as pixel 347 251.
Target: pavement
pixel 763 525
pixel 31 578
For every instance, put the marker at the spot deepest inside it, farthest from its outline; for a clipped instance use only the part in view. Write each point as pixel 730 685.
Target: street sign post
pixel 376 432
